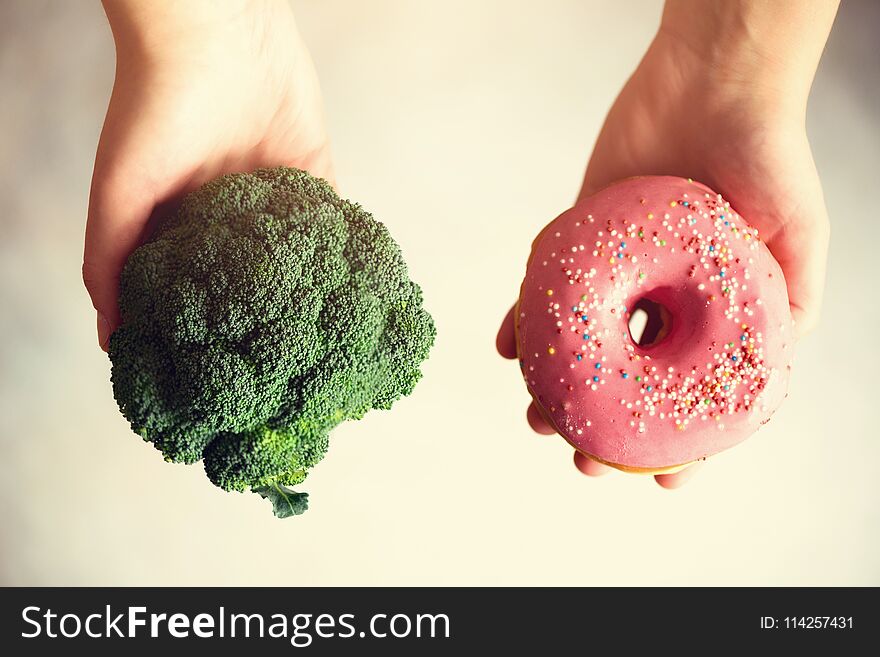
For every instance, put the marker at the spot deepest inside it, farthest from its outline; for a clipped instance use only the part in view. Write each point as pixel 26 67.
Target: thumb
pixel 119 210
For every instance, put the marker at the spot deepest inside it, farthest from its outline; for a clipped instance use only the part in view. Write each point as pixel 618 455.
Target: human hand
pixel 202 88
pixel 729 112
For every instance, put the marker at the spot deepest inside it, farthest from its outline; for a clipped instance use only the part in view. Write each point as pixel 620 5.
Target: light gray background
pixel 465 126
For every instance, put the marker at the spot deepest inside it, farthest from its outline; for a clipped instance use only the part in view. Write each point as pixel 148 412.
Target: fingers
pixel 593 468
pixel 798 238
pixel 677 479
pixel 802 246
pixel 802 252
pixel 537 421
pixel 505 341
pixel 588 466
pixel 118 214
pixel 793 221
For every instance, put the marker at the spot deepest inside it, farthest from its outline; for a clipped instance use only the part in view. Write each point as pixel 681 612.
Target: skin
pixel 202 88
pixel 721 96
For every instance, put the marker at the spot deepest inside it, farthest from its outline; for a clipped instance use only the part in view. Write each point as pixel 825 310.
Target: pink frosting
pixel 720 371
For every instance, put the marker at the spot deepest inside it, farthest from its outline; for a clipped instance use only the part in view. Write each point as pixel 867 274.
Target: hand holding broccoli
pixel 202 88
pixel 266 310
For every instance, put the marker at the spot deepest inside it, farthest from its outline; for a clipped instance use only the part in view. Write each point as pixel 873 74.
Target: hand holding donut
pixel 720 97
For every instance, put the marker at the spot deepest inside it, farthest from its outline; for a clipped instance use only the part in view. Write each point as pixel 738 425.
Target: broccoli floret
pixel 261 315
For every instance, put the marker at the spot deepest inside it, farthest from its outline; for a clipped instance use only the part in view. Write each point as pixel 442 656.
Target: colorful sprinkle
pixel 702 233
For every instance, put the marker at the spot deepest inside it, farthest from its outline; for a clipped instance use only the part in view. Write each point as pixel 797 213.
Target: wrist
pixel 730 73
pixel 167 30
pixel 769 49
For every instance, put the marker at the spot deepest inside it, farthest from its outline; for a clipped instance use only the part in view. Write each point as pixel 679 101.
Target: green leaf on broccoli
pixel 285 502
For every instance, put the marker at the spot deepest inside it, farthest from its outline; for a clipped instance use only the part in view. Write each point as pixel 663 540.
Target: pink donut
pixel 714 361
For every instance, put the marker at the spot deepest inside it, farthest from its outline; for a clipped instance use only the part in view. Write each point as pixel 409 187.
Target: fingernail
pixel 103 331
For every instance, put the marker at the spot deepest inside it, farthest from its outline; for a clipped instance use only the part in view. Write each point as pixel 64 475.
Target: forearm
pixel 765 44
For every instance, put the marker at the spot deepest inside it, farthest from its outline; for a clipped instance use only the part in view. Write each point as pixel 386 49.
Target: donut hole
pixel 649 322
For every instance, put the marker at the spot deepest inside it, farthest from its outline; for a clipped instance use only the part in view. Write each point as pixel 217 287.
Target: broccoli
pixel 266 311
